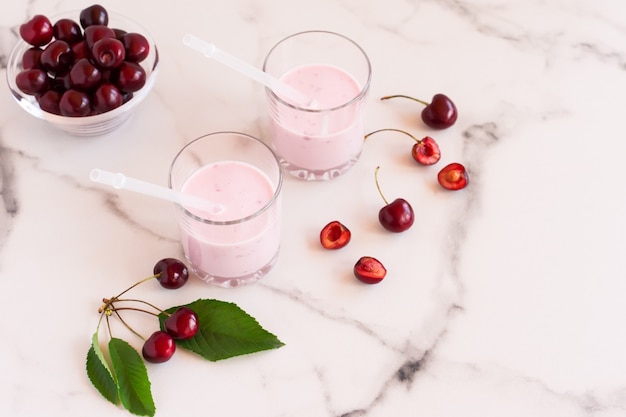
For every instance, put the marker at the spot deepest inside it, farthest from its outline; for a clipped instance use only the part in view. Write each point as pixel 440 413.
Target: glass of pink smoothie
pixel 239 245
pixel 322 138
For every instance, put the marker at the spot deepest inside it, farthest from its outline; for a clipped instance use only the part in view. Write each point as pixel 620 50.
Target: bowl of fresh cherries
pixel 85 71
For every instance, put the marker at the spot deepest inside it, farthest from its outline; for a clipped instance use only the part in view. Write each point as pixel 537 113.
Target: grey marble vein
pixel 9 206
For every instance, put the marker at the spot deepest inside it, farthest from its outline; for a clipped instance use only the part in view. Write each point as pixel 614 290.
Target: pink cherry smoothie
pixel 330 133
pixel 245 237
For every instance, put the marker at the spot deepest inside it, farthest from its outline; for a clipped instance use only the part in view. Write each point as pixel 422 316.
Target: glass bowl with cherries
pixel 84 72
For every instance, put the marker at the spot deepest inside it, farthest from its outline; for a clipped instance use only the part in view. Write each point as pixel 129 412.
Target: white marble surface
pixel 504 299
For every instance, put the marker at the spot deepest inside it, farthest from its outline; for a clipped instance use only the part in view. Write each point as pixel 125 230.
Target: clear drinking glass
pixel 241 244
pixel 323 138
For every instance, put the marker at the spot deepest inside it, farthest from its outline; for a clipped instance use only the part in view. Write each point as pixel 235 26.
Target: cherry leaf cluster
pixel 219 330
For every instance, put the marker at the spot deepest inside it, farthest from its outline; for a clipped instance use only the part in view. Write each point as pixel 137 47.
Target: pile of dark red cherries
pixel 81 68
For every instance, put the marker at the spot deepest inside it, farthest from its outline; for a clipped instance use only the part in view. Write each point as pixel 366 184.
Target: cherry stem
pixel 116 309
pixel 105 311
pixel 134 300
pixel 109 325
pixel 393 130
pixel 403 96
pixel 119 316
pixel 109 308
pixel 378 186
pixel 135 284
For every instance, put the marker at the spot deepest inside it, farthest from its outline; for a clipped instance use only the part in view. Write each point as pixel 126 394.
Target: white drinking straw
pixel 121 181
pixel 211 51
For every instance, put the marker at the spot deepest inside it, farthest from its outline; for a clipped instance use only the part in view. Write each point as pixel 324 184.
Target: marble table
pixel 503 299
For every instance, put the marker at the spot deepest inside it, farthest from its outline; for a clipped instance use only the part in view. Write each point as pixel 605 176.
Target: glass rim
pixel 240 220
pixel 362 93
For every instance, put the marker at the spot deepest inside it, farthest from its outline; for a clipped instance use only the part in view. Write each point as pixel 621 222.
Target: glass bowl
pixel 95 125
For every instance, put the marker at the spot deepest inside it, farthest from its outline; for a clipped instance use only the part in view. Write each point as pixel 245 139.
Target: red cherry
pixel 80 50
pixel 31 58
pixel 182 324
pixel 107 97
pixel 369 270
pixel 75 103
pixel 136 45
pixel 396 216
pixel 108 53
pixel 57 57
pixel 159 347
pixel 129 77
pixel 37 31
pixel 94 15
pixel 453 176
pixel 96 32
pixel 84 75
pixel 49 101
pixel 425 151
pixel 32 81
pixel 440 113
pixel 335 235
pixel 67 30
pixel 171 273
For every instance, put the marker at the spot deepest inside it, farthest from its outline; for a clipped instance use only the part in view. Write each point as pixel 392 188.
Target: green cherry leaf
pixel 224 331
pixel 133 385
pixel 99 372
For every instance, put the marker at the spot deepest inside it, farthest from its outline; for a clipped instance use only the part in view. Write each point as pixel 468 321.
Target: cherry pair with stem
pixel 182 324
